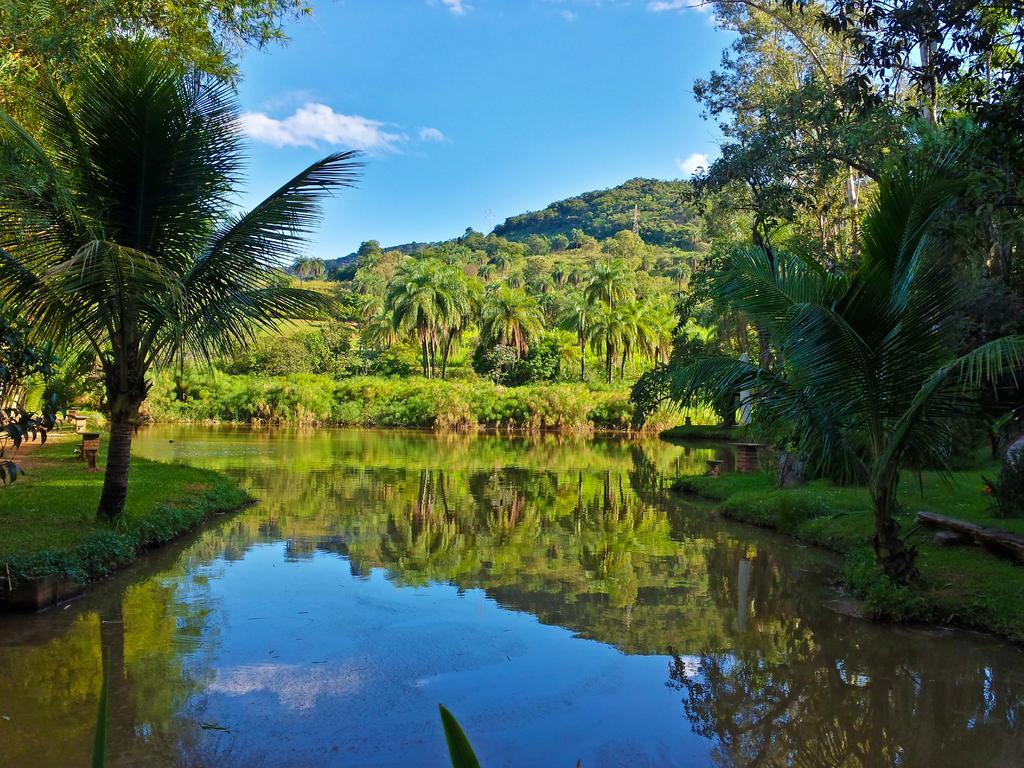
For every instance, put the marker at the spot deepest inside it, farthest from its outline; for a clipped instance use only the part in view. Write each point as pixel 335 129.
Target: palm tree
pixel 610 282
pixel 659 327
pixel 577 316
pixel 432 300
pixel 119 230
pixel 308 268
pixel 411 303
pixel 612 328
pixel 866 377
pixel 511 317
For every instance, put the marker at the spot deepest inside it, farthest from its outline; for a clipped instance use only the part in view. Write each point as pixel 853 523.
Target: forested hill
pixel 350 260
pixel 667 215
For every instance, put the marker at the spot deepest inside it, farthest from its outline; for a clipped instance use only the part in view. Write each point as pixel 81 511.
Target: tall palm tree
pixel 614 329
pixel 511 317
pixel 578 316
pixel 659 327
pixel 866 376
pixel 611 283
pixel 432 300
pixel 412 305
pixel 119 230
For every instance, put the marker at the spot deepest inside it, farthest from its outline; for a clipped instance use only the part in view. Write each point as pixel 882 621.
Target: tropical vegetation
pixel 132 248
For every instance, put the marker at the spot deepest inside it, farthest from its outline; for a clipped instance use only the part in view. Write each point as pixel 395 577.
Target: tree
pixel 578 316
pixel 614 330
pixel 118 230
pixel 511 317
pixel 58 36
pixel 867 380
pixel 309 269
pixel 611 283
pixel 431 300
pixel 19 360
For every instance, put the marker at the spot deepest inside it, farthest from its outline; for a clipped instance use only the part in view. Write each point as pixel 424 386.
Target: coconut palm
pixel 866 376
pixel 119 230
pixel 511 317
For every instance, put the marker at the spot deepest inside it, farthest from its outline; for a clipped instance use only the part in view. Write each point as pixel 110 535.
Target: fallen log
pixel 993 538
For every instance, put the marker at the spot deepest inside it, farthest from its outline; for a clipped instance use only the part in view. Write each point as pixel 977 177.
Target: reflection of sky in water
pixel 373 658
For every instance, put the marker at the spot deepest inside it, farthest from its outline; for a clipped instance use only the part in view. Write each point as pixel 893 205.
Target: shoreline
pixel 966 588
pixel 56 549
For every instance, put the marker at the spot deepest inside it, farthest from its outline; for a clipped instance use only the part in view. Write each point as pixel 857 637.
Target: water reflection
pixel 384 572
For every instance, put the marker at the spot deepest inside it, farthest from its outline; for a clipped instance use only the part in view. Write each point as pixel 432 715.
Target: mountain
pixel 666 213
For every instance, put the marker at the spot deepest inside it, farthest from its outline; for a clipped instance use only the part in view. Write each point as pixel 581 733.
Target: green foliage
pixel 869 382
pixel 666 215
pixel 119 233
pixel 1008 487
pixel 58 36
pixel 459 750
pixel 20 362
pixel 48 528
pixel 388 402
pixel 966 586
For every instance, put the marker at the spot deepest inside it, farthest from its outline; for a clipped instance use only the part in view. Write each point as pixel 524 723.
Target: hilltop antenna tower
pixel 636 220
pixel 490 220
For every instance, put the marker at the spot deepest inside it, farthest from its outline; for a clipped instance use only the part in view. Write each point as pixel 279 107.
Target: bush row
pixel 387 402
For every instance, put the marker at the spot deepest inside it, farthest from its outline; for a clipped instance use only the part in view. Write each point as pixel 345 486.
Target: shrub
pixel 461 405
pixel 1008 488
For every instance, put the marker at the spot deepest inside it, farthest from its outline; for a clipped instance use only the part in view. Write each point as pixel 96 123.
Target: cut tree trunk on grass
pixel 993 538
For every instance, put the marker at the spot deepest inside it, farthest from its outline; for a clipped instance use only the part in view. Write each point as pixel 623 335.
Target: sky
pixel 470 111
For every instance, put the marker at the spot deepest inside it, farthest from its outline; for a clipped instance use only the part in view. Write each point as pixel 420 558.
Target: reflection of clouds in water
pixel 297 687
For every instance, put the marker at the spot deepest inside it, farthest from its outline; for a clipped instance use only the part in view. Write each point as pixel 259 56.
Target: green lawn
pixel 965 586
pixel 48 523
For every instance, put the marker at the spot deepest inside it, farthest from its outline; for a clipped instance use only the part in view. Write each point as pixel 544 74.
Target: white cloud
pixel 660 6
pixel 569 16
pixel 313 124
pixel 296 687
pixel 693 163
pixel 458 7
pixel 431 134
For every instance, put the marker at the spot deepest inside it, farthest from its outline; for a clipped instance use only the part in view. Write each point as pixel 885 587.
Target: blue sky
pixel 470 106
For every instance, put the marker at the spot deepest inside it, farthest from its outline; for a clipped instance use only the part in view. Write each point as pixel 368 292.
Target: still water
pixel 548 591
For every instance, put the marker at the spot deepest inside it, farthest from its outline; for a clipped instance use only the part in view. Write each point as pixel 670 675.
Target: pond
pixel 549 591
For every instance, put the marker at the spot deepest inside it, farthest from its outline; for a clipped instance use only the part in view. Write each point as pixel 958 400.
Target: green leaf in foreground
pixel 458 745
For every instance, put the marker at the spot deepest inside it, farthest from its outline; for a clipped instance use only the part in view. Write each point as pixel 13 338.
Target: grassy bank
pixel 963 586
pixel 713 432
pixel 48 516
pixel 371 401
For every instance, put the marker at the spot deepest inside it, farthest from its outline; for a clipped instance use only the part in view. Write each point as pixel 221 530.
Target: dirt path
pixel 24 455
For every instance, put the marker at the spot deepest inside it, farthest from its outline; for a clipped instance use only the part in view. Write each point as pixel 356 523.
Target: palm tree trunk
pixel 426 357
pixel 892 553
pixel 119 453
pixel 583 358
pixel 609 362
